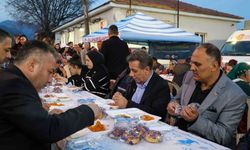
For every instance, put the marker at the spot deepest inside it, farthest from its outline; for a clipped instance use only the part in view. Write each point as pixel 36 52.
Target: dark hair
pixel 232 62
pixel 113 29
pixel 141 56
pixel 75 61
pixel 69 43
pixel 34 47
pixel 143 48
pixel 22 35
pixel 212 51
pixel 96 57
pixel 154 58
pixel 4 35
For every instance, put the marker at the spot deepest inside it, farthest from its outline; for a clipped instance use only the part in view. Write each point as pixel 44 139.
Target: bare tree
pixel 47 14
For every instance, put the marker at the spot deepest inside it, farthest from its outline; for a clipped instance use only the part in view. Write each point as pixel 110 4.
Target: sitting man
pixel 148 92
pixel 24 123
pixel 222 102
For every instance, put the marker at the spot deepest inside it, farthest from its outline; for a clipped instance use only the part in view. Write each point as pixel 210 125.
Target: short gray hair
pixel 143 58
pixel 212 51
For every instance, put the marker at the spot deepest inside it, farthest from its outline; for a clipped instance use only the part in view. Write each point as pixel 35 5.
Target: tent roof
pixel 142 28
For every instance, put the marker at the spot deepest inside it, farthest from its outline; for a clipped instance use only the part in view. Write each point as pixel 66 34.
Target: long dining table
pixel 66 97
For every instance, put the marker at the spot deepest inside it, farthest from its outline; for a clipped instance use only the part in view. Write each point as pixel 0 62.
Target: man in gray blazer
pixel 220 102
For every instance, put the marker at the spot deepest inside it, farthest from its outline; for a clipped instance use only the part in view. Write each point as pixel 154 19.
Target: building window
pixel 202 35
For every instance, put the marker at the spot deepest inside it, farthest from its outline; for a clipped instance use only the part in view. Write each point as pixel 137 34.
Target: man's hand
pixel 171 108
pixel 96 109
pixel 55 111
pixel 120 100
pixel 189 113
pixel 45 106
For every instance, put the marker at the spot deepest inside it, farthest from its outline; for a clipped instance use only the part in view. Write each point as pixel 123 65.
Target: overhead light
pixel 81 29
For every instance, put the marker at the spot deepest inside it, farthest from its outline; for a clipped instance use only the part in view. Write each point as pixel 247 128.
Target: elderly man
pixel 115 52
pixel 5 45
pixel 24 123
pixel 148 92
pixel 221 101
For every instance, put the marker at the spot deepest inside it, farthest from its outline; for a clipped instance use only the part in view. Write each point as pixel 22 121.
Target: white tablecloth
pixel 173 138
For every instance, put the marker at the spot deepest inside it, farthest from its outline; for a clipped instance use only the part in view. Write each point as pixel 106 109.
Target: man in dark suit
pixel 149 92
pixel 24 123
pixel 5 45
pixel 115 52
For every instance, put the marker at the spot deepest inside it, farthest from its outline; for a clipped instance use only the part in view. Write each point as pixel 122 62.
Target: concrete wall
pixel 217 31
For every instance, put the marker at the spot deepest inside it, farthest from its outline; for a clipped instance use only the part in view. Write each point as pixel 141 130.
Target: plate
pixel 49 97
pixel 62 97
pixel 134 112
pixel 74 88
pixel 107 123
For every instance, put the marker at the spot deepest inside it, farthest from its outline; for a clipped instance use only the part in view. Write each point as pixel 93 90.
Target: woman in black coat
pixel 97 78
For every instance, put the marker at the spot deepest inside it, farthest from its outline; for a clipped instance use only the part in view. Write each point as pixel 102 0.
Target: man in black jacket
pixel 24 123
pixel 115 52
pixel 5 45
pixel 148 92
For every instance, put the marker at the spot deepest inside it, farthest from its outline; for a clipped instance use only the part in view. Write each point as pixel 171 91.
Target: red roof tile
pixel 172 5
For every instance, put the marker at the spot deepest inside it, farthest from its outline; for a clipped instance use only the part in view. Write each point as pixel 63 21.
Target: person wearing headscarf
pixel 240 74
pixel 97 78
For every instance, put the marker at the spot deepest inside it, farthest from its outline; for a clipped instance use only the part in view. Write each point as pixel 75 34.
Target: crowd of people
pixel 211 102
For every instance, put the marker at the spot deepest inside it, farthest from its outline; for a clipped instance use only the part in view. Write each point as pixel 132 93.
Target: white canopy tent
pixel 142 28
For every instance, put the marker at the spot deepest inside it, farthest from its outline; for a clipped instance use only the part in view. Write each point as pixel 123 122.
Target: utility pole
pixel 178 12
pixel 86 15
pixel 130 7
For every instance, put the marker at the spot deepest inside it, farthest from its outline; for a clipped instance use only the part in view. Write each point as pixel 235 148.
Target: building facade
pixel 211 25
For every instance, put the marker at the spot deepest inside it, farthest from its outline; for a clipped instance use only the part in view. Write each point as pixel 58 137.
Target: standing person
pixel 99 45
pixel 5 45
pixel 83 52
pixel 180 70
pixel 24 123
pixel 115 52
pixel 70 50
pixel 221 101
